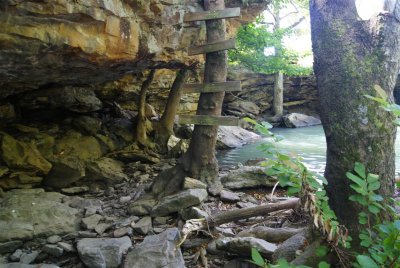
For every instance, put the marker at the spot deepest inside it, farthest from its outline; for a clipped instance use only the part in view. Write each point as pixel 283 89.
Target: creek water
pixel 308 143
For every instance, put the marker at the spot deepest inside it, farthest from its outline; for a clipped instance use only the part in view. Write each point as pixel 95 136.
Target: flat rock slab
pixel 181 200
pixel 157 251
pixel 227 196
pixel 21 265
pixel 242 246
pixel 103 252
pixel 273 235
pixel 300 120
pixel 233 137
pixel 247 177
pixel 25 214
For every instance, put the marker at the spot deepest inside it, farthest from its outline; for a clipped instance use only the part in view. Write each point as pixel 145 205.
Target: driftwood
pixel 234 215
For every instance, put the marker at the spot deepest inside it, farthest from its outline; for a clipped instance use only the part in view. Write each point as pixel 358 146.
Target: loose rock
pixel 157 251
pixel 300 120
pixel 143 226
pixel 243 245
pixel 228 196
pixel 103 252
pixel 247 177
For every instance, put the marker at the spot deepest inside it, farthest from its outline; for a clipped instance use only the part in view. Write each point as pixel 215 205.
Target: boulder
pixel 107 170
pixel 87 124
pixel 242 246
pixel 247 177
pixel 157 251
pixel 245 108
pixel 25 214
pixel 288 249
pixel 22 155
pixel 75 99
pixel 181 200
pixel 300 120
pixel 190 183
pixel 74 144
pixel 233 137
pixel 65 171
pixel 103 252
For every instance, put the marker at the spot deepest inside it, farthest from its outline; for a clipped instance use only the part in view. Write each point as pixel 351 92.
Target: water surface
pixel 307 142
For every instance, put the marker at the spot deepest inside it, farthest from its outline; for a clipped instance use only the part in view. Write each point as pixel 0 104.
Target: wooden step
pixel 212 47
pixel 207 120
pixel 212 15
pixel 212 87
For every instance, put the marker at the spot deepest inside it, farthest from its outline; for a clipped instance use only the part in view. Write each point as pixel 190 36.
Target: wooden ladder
pixel 215 87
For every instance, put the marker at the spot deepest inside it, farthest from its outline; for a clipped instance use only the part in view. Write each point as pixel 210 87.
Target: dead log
pixel 234 215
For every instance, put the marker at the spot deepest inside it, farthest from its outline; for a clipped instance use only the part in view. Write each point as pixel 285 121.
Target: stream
pixel 307 142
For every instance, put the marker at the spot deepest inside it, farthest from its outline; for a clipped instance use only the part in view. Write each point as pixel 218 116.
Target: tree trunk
pixel 353 58
pixel 200 161
pixel 141 128
pixel 278 94
pixel 165 127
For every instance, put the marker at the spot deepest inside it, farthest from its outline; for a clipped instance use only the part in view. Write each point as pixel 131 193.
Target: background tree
pixel 270 32
pixel 353 58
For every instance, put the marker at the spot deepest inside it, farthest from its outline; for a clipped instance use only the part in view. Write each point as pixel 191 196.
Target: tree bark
pixel 165 127
pixel 278 94
pixel 141 128
pixel 200 161
pixel 353 58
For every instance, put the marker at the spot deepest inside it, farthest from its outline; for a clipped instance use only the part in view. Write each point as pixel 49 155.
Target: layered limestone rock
pixel 90 42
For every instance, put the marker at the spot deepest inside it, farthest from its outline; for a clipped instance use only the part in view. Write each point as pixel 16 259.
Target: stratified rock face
pixel 68 42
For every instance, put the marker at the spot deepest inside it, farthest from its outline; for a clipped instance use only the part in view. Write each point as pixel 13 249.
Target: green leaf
pixel 321 251
pixel 359 189
pixel 323 264
pixel 366 262
pixel 360 182
pixel 360 169
pixel 373 209
pixel 257 258
pixel 372 178
pixel 374 186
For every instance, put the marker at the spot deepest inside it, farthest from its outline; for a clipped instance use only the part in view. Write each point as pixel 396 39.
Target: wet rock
pixel 106 169
pixel 65 171
pixel 92 221
pixel 233 137
pixel 18 154
pixel 181 200
pixel 273 235
pixel 228 196
pixel 300 120
pixel 103 252
pixel 243 245
pixel 247 177
pixel 10 246
pixel 53 250
pixel 25 214
pixel 143 226
pixel 157 251
pixel 287 250
pixel 75 99
pixel 190 183
pixel 142 207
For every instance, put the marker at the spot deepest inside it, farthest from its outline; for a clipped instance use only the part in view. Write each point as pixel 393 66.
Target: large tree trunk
pixel 199 161
pixel 353 58
pixel 278 95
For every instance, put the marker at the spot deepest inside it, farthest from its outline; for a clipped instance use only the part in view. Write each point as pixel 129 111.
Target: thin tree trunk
pixel 141 129
pixel 200 161
pixel 353 58
pixel 165 127
pixel 278 94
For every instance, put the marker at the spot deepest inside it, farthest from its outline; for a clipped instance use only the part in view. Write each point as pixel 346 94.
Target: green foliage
pixel 254 37
pixel 381 239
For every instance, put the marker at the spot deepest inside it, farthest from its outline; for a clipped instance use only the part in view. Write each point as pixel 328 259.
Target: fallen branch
pixel 234 215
